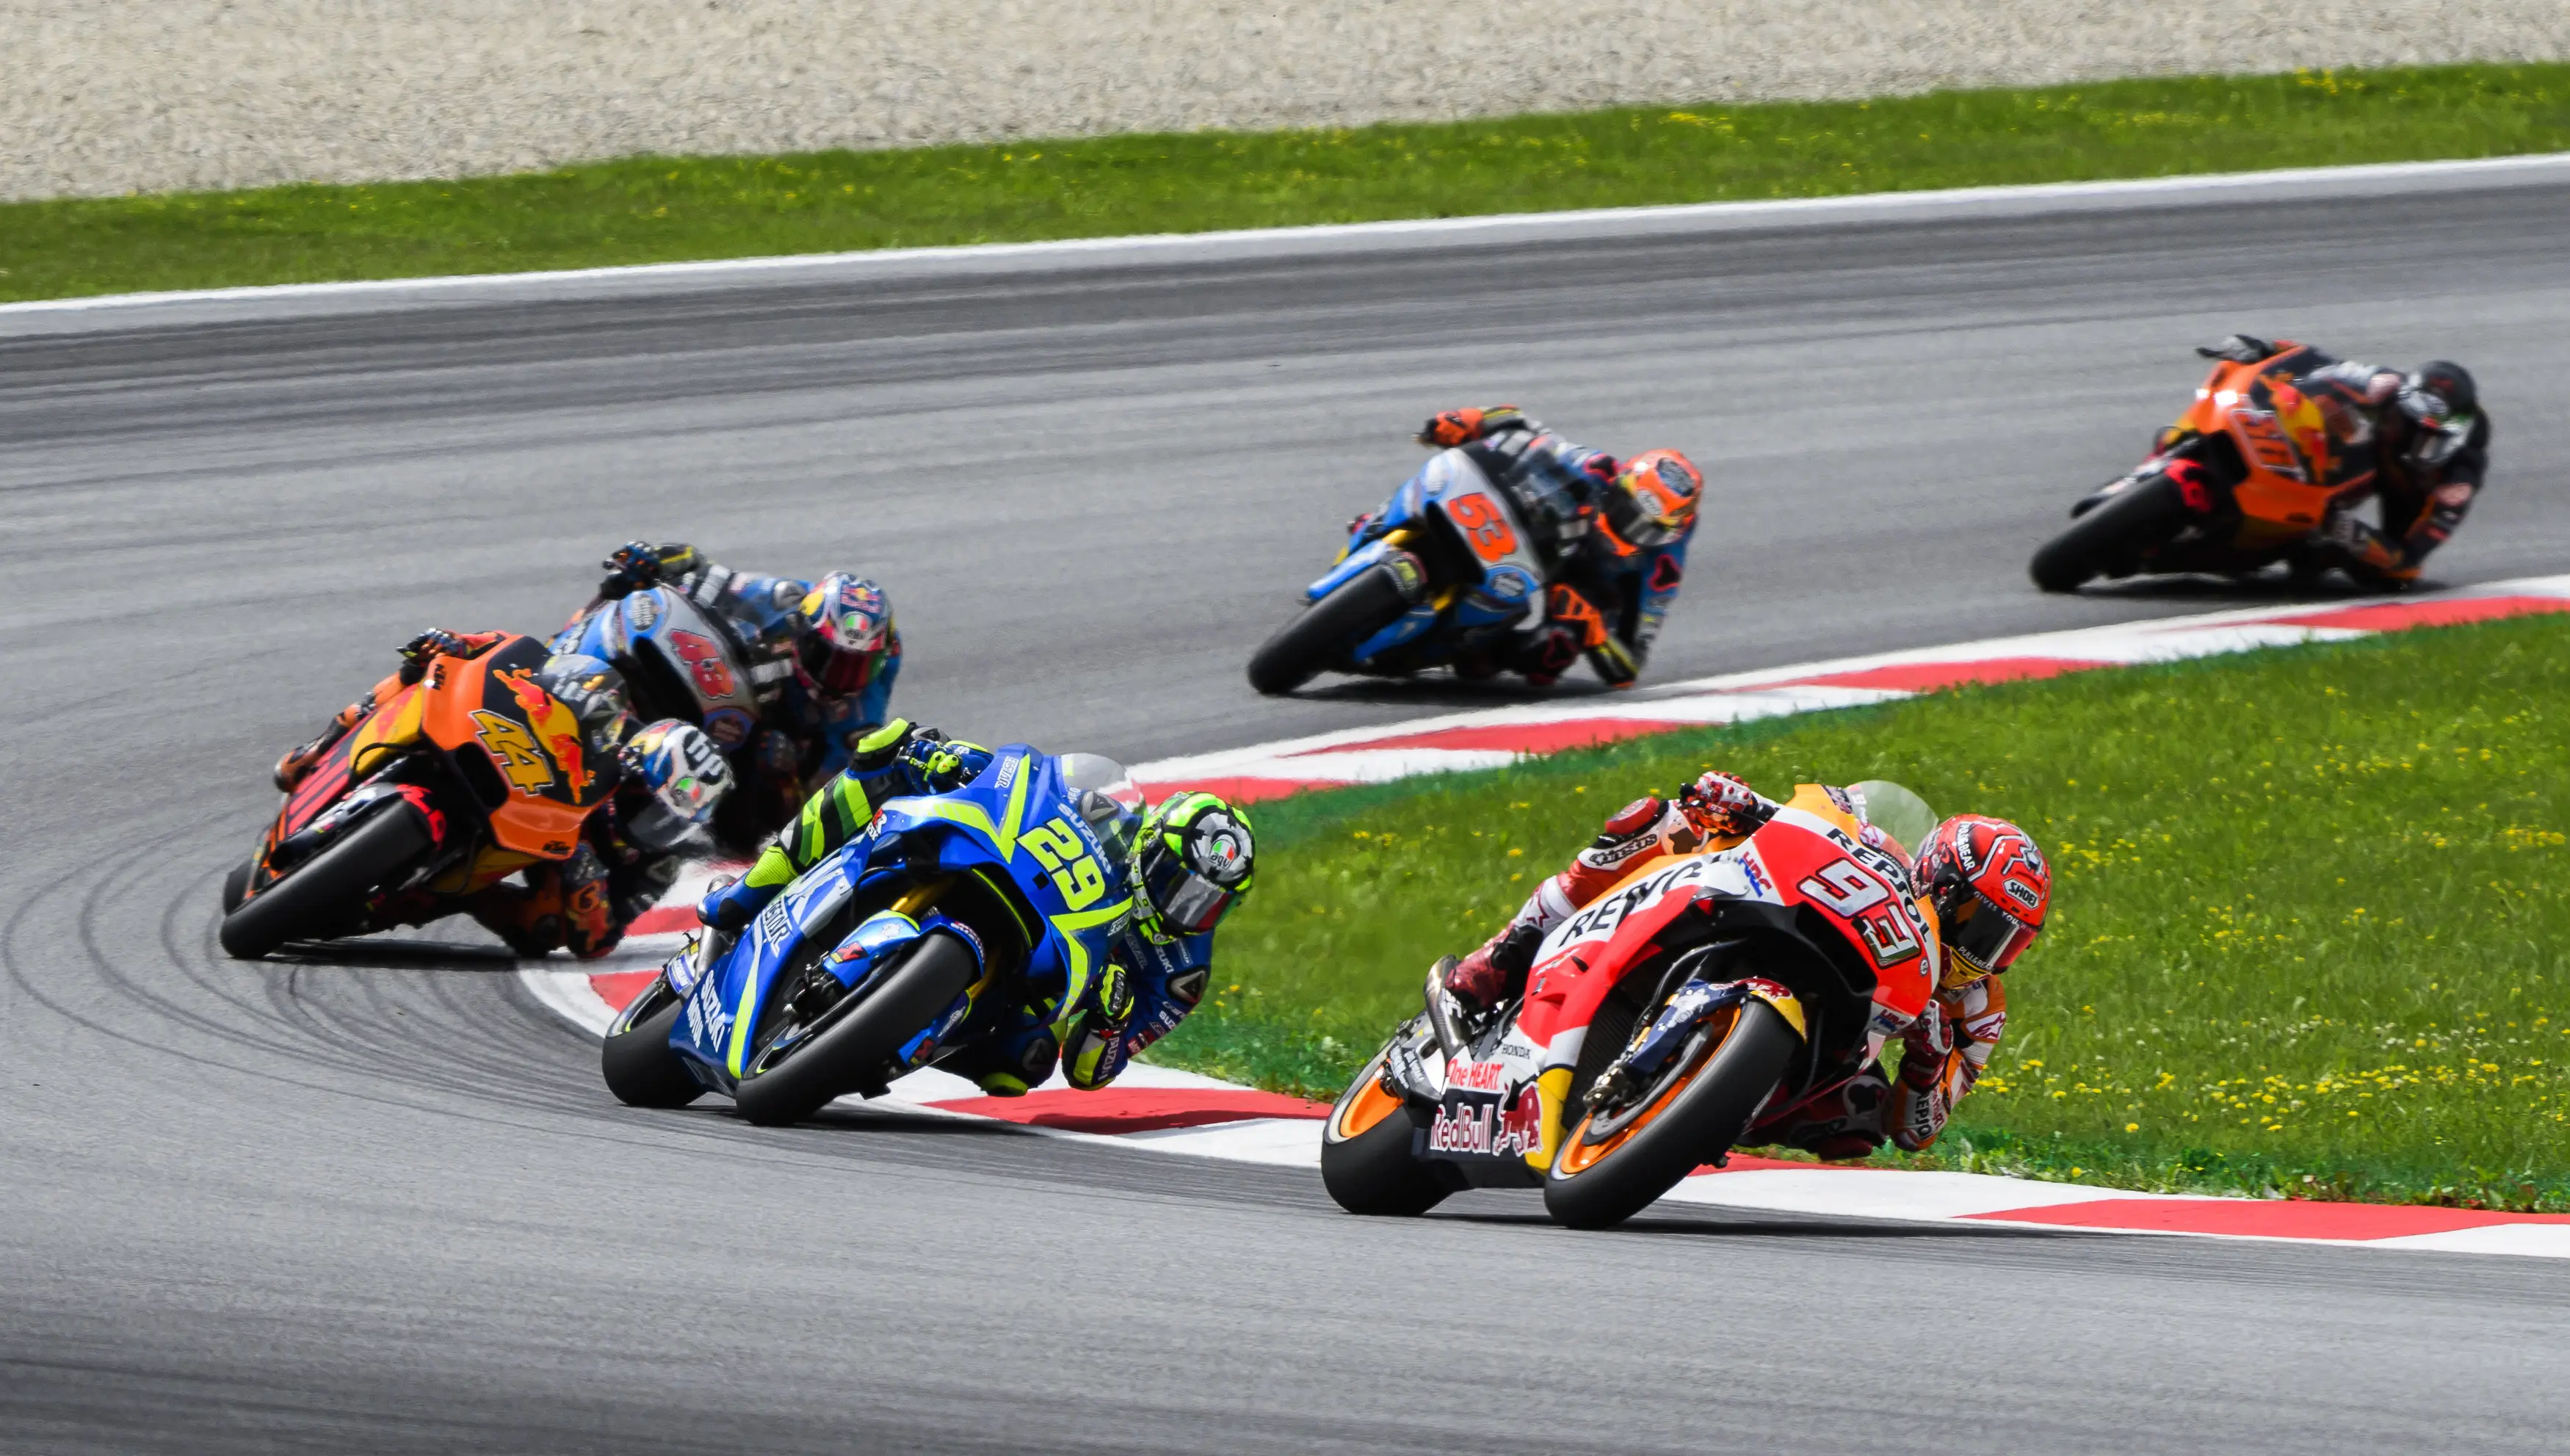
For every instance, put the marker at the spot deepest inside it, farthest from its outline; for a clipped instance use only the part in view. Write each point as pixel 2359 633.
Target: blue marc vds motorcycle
pixel 922 937
pixel 1461 552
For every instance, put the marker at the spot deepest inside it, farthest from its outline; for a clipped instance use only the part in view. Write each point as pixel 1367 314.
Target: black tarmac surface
pixel 379 1201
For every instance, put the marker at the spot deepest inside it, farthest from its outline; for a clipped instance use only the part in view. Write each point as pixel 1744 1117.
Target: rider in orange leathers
pixel 1985 879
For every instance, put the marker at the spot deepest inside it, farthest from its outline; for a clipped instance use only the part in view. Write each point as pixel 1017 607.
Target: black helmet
pixel 2442 402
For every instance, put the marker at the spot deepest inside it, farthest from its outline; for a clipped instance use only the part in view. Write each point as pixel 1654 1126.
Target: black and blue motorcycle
pixel 920 938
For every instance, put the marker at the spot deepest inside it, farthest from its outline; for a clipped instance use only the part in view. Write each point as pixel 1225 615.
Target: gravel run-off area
pixel 101 97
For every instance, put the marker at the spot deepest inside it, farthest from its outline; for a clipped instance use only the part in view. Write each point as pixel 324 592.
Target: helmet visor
pixel 839 672
pixel 2441 431
pixel 1985 937
pixel 1186 902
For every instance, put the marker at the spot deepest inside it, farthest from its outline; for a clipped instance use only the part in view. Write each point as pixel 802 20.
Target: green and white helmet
pixel 1191 863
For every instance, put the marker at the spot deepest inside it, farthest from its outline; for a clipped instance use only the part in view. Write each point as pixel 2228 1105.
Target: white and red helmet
pixel 1990 890
pixel 847 633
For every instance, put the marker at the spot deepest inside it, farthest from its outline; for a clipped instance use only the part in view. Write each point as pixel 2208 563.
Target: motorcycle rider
pixel 669 779
pixel 831 645
pixel 1985 882
pixel 1625 532
pixel 2429 441
pixel 1189 862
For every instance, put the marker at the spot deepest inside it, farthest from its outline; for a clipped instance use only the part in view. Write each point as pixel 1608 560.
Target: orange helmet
pixel 1653 501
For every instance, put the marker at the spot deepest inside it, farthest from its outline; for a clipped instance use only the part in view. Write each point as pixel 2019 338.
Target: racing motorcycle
pixel 2270 464
pixel 474 766
pixel 1706 997
pixel 680 661
pixel 916 940
pixel 1466 556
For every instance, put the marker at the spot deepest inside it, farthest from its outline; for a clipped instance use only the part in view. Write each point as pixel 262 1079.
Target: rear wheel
pixel 1615 1162
pixel 1366 1161
pixel 2110 540
pixel 318 898
pixel 1364 605
pixel 796 1073
pixel 640 1067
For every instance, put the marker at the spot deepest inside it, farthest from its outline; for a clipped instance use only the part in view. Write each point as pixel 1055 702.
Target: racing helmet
pixel 1653 501
pixel 1989 887
pixel 1190 864
pixel 2442 405
pixel 594 692
pixel 845 632
pixel 685 774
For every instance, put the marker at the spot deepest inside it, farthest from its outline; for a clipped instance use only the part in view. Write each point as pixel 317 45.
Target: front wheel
pixel 314 899
pixel 1614 1162
pixel 1366 1161
pixel 1363 605
pixel 795 1076
pixel 640 1066
pixel 2110 540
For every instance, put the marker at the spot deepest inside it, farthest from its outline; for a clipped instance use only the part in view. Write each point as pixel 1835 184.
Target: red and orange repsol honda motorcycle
pixel 450 784
pixel 1705 996
pixel 2237 484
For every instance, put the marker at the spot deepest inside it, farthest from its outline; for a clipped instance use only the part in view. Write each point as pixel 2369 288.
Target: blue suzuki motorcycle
pixel 920 938
pixel 1461 560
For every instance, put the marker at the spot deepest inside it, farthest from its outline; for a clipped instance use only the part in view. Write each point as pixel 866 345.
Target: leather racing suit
pixel 804 734
pixel 1605 600
pixel 1144 991
pixel 2421 505
pixel 1941 1053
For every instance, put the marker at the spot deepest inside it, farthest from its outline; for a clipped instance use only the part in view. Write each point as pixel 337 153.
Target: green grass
pixel 648 210
pixel 2308 916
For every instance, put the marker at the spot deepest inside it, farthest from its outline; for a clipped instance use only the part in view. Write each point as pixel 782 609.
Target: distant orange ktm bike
pixel 2235 485
pixel 450 784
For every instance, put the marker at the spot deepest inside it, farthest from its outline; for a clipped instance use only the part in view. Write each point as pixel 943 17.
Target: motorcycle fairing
pixel 658 633
pixel 1017 818
pixel 1453 489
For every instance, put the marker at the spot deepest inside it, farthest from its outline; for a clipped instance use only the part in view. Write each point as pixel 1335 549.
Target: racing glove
pixel 1723 805
pixel 2239 348
pixel 426 648
pixel 1463 426
pixel 636 564
pixel 1089 1046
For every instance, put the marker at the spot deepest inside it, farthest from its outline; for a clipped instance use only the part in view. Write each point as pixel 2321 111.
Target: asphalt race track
pixel 379 1201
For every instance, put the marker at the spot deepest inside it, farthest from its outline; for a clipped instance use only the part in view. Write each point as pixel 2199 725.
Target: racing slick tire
pixel 1690 1117
pixel 2109 539
pixel 855 1045
pixel 317 895
pixel 236 883
pixel 1366 1161
pixel 636 1058
pixel 1363 605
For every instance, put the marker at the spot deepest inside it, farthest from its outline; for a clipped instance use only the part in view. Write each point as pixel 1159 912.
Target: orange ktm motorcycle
pixel 2235 485
pixel 1706 997
pixel 449 785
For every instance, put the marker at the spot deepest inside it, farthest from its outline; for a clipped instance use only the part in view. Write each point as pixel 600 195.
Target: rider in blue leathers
pixel 831 646
pixel 1620 531
pixel 1190 861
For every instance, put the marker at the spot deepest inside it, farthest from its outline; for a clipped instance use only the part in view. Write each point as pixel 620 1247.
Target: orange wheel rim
pixel 1369 1107
pixel 1578 1154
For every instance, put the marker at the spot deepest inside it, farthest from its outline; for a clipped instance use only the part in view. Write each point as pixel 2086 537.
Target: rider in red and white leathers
pixel 1983 878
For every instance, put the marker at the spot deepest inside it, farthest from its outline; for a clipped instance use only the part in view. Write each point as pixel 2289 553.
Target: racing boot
pixel 297 763
pixel 1495 974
